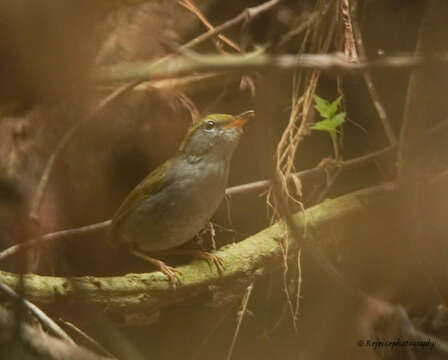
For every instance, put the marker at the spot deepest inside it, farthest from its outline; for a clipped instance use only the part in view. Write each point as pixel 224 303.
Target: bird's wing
pixel 152 183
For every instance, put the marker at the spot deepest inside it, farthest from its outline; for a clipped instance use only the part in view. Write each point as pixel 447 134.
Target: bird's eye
pixel 209 125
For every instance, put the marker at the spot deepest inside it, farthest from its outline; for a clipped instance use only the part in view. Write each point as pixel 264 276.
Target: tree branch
pixel 243 261
pixel 186 64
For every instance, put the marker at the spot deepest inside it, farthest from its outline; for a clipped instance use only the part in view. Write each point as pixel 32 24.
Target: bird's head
pixel 216 134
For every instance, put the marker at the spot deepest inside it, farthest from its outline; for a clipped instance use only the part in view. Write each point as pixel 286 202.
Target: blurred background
pixel 49 55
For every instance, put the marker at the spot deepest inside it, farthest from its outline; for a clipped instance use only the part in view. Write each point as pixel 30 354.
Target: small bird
pixel 178 198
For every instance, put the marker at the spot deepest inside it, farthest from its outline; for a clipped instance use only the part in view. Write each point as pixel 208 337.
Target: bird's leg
pixel 169 271
pixel 209 257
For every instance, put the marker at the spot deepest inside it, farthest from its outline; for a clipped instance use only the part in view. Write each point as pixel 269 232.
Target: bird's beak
pixel 240 120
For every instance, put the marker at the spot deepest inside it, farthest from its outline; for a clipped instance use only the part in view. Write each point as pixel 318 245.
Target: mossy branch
pixel 257 255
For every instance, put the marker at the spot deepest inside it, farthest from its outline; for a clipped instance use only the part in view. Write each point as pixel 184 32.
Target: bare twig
pixel 246 14
pixel 92 342
pixel 240 317
pixel 212 235
pixel 349 46
pixel 181 65
pixel 309 173
pixel 191 6
pixel 268 332
pixel 299 284
pixel 381 111
pixel 328 185
pixel 284 249
pixel 309 20
pixel 438 177
pixel 231 191
pixel 49 324
pixel 223 315
pixel 41 187
pixel 63 234
pixel 414 110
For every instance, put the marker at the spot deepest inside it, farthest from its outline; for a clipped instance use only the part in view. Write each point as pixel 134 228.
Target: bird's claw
pixel 212 259
pixel 172 273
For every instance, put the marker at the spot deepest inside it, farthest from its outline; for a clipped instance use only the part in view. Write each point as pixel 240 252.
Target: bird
pixel 177 199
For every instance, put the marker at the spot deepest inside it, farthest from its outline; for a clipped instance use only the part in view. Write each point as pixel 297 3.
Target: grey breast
pixel 179 211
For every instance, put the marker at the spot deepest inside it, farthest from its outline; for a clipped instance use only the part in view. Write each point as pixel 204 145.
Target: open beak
pixel 240 120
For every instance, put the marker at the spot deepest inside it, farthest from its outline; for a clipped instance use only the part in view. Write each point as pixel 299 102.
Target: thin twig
pixel 41 187
pixel 309 173
pixel 224 313
pixel 92 342
pixel 58 235
pixel 299 284
pixel 231 191
pixel 47 322
pixel 189 5
pixel 309 20
pixel 212 235
pixel 246 14
pixel 241 314
pixel 349 46
pixel 284 249
pixel 440 176
pixel 268 332
pixel 440 126
pixel 329 184
pixel 414 108
pixel 380 109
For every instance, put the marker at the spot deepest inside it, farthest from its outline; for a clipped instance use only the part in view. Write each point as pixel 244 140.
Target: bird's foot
pixel 172 273
pixel 211 258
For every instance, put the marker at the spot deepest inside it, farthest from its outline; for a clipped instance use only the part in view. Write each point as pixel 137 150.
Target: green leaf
pixel 333 107
pixel 339 119
pixel 331 119
pixel 330 124
pixel 321 106
pixel 325 125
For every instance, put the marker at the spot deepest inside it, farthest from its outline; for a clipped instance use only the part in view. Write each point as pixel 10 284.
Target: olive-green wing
pixel 155 181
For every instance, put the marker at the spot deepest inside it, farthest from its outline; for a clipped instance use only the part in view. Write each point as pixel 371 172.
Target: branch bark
pixel 146 293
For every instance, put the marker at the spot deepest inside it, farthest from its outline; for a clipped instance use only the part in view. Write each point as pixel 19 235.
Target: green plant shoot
pixel 332 119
